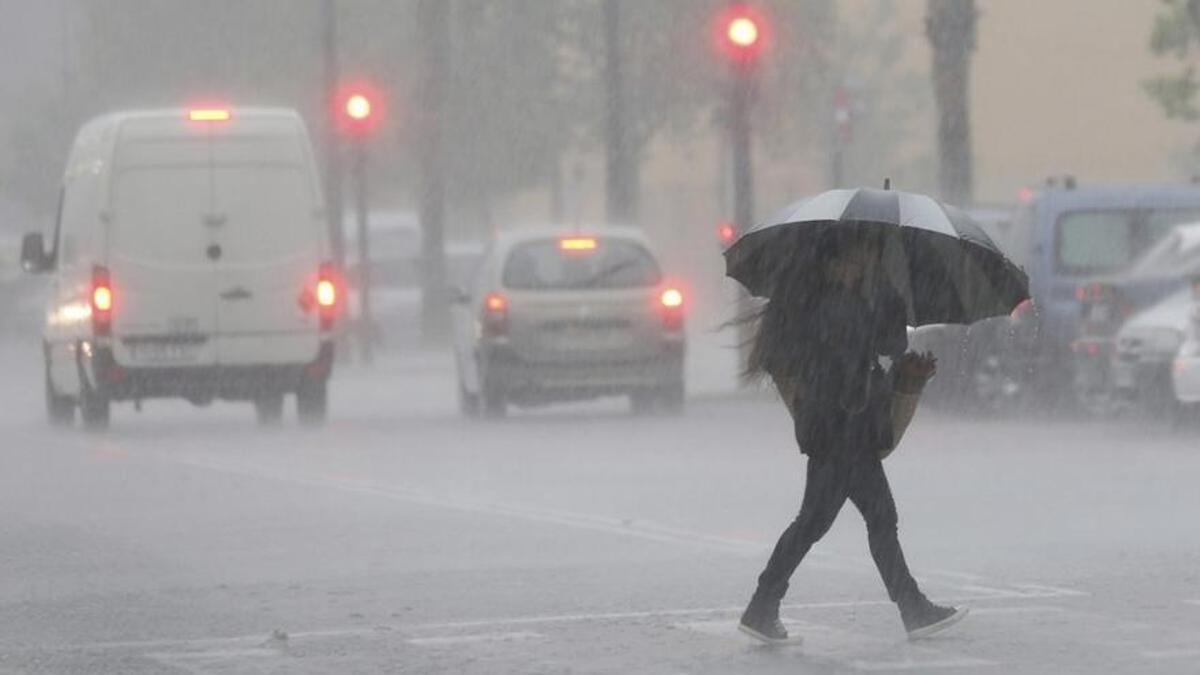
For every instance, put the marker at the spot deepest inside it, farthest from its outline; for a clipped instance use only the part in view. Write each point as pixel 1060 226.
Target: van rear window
pixel 612 263
pixel 1096 242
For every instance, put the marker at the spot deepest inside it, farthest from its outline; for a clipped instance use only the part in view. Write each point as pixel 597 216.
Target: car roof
pixel 1172 256
pixel 182 113
pixel 1173 311
pixel 509 238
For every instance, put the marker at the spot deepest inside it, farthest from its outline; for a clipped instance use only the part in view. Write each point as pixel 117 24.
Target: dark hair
pixel 795 287
pixel 801 280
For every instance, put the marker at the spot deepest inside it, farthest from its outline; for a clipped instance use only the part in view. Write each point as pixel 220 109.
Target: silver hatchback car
pixel 554 317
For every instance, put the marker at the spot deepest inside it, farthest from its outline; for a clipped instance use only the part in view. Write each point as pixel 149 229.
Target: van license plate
pixel 163 352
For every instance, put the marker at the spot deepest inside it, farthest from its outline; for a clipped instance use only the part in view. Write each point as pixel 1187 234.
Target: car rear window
pixel 1094 242
pixel 613 263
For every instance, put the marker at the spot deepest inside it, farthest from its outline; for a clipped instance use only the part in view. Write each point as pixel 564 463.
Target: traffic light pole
pixel 743 164
pixel 366 319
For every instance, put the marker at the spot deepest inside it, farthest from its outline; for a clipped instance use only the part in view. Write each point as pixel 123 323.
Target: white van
pixel 190 259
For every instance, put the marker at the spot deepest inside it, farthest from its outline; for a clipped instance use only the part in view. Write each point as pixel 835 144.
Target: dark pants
pixel 830 482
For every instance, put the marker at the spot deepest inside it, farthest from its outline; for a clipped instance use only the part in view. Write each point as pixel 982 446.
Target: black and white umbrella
pixel 944 265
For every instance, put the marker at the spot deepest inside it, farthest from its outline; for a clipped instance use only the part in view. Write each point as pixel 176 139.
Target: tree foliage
pixel 1176 36
pixel 526 80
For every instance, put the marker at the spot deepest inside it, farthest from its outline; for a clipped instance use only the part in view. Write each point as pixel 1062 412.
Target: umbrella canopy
pixel 942 263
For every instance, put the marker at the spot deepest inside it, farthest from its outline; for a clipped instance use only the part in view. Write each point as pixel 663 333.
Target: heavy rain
pixel 599 336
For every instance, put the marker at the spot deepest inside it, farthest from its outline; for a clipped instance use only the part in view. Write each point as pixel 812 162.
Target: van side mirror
pixel 33 254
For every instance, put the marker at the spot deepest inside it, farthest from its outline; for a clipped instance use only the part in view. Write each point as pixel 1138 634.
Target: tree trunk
pixel 621 170
pixel 950 27
pixel 433 23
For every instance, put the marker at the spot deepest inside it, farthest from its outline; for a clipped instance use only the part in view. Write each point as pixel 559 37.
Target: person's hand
pixel 917 365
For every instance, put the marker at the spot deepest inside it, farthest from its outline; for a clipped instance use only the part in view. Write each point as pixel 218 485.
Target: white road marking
pixel 990 592
pixel 1164 654
pixel 878 666
pixel 1050 591
pixel 884 653
pixel 452 640
pixel 837 644
pixel 497 622
pixel 722 628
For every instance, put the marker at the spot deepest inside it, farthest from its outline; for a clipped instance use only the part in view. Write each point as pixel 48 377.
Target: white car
pixel 556 316
pixel 1185 373
pixel 1146 347
pixel 1185 376
pixel 190 259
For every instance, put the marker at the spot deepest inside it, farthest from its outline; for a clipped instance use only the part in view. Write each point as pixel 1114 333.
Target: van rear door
pixel 164 312
pixel 271 250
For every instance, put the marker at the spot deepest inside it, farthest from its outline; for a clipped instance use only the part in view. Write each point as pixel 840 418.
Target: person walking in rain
pixel 819 339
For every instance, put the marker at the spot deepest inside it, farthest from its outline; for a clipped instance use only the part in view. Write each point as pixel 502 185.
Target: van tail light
pixel 327 295
pixel 209 114
pixel 102 301
pixel 494 315
pixel 671 308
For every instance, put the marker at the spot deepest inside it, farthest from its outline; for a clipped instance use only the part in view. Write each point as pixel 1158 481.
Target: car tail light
pixel 577 244
pixel 671 307
pixel 327 295
pixel 102 301
pixel 495 314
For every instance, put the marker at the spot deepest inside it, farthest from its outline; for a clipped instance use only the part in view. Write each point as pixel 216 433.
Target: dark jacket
pixel 827 351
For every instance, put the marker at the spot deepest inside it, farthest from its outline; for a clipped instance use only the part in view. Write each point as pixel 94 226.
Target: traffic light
pixel 742 32
pixel 358 109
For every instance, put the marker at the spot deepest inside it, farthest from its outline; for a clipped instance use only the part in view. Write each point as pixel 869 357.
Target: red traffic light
pixel 358 108
pixel 741 31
